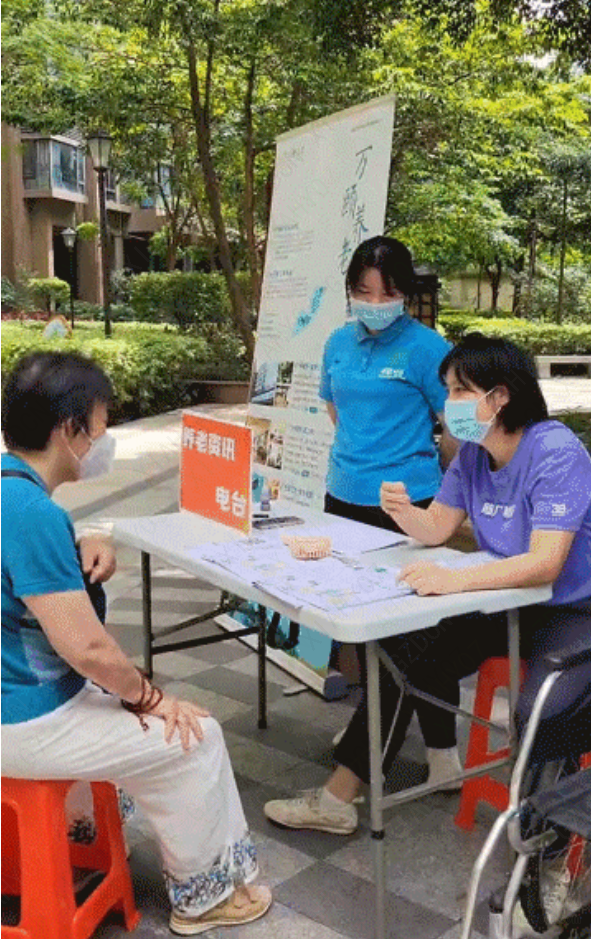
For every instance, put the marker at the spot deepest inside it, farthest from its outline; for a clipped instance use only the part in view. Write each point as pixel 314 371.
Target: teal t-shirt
pixel 386 391
pixel 38 557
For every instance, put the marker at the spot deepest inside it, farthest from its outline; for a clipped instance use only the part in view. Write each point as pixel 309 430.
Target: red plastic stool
pixel 37 861
pixel 493 674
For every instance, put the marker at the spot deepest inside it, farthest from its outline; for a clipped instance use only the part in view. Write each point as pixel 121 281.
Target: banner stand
pixel 330 191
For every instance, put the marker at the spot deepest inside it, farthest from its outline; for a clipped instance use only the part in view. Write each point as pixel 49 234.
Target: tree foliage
pixel 195 93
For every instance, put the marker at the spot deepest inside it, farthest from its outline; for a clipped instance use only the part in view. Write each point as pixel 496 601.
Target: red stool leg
pixel 106 853
pixel 11 875
pixel 48 904
pixel 47 895
pixel 493 674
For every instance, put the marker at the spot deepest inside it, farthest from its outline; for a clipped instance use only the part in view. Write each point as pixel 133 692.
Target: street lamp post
pixel 69 236
pixel 100 150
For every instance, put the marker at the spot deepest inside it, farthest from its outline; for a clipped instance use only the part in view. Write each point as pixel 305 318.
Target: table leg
pixel 513 627
pixel 262 615
pixel 376 785
pixel 147 613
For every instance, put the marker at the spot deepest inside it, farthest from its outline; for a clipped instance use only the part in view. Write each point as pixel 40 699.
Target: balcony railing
pixel 53 164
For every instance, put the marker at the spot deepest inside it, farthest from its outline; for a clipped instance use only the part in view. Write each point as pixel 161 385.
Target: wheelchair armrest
pixel 569 658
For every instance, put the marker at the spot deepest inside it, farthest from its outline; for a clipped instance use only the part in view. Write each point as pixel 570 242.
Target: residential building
pixel 48 185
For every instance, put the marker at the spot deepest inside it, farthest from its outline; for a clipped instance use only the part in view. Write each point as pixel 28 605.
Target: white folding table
pixel 171 537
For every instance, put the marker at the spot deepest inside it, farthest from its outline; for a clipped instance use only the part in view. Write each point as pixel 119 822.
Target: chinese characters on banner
pixel 329 194
pixel 216 467
pixel 353 207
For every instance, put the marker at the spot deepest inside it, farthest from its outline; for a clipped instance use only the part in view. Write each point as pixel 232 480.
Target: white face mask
pixel 99 459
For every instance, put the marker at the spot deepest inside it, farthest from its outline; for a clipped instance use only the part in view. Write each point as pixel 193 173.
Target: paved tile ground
pixel 322 883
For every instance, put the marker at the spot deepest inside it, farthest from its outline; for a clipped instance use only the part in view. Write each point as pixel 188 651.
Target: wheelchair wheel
pixel 556 888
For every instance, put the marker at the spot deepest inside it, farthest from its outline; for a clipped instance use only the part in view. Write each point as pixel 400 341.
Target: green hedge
pixel 187 299
pixel 537 338
pixel 580 423
pixel 146 363
pixel 49 292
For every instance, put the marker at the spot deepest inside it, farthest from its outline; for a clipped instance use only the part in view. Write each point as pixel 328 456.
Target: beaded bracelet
pixel 150 698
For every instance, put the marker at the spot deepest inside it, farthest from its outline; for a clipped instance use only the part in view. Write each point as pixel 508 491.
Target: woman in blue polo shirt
pixel 380 380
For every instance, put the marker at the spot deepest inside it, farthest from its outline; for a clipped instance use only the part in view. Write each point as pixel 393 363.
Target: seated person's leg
pixel 331 808
pixel 457 648
pixel 189 798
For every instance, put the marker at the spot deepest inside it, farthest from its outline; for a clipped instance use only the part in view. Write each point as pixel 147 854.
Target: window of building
pixel 52 164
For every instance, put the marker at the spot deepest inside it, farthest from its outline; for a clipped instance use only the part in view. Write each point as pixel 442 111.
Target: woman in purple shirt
pixel 524 481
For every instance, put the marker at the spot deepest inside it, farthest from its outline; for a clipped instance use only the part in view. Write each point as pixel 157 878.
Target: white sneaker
pixel 520 926
pixel 315 809
pixel 444 765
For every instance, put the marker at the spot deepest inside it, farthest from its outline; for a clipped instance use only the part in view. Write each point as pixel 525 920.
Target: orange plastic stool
pixel 37 861
pixel 493 674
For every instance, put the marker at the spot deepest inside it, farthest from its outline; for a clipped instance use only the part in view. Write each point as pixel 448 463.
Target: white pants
pixel 190 799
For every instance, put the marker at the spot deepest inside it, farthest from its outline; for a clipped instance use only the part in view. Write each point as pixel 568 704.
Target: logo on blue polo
pixel 396 373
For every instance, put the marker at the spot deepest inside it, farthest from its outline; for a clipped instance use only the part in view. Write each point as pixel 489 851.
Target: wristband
pixel 150 698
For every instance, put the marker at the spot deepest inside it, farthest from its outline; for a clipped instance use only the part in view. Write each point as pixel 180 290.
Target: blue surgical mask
pixel 461 420
pixel 377 315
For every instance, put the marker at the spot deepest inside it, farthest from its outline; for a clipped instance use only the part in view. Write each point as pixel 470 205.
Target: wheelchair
pixel 548 820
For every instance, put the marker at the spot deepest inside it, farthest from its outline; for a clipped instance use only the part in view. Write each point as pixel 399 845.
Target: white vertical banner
pixel 329 194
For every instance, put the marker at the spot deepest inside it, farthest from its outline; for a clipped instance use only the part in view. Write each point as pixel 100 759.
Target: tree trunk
pixel 494 274
pixel 249 197
pixel 297 93
pixel 240 312
pixel 532 241
pixel 172 242
pixel 170 255
pixel 517 304
pixel 562 254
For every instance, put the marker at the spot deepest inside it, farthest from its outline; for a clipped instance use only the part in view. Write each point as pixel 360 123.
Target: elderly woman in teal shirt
pixel 380 380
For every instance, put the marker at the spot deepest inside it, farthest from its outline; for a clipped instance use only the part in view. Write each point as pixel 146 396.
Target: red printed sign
pixel 216 470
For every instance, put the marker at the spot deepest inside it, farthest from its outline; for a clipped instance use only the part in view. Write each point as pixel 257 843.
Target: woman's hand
pixel 182 716
pixel 394 498
pixel 427 578
pixel 98 557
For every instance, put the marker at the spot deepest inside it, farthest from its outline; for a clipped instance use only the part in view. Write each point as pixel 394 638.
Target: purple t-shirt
pixel 545 486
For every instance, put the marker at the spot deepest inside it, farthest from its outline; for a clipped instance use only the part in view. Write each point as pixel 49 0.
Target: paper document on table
pixel 329 583
pixel 355 538
pixel 260 555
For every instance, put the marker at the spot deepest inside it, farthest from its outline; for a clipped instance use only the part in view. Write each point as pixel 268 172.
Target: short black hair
pixel 46 389
pixel 487 362
pixel 390 257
